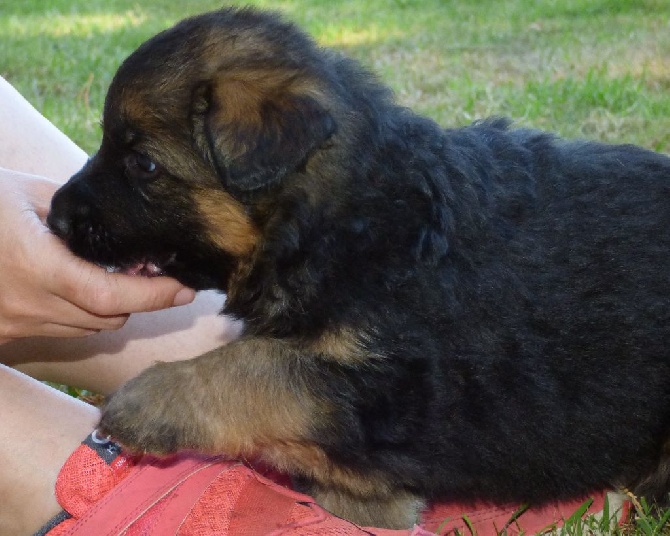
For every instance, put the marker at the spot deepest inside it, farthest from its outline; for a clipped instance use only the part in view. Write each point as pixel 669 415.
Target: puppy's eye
pixel 140 166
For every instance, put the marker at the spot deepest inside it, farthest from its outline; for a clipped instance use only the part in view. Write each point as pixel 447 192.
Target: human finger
pixel 19 331
pixel 24 314
pixel 106 294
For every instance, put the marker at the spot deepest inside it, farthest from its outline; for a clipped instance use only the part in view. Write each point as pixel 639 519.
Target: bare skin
pixel 41 427
pixel 68 321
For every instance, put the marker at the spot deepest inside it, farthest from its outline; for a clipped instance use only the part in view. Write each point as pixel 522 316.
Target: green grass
pixel 645 521
pixel 582 68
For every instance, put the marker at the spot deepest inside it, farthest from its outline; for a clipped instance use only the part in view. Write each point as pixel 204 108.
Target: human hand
pixel 47 291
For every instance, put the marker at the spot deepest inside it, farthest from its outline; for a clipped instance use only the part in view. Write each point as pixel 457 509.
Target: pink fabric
pixel 196 495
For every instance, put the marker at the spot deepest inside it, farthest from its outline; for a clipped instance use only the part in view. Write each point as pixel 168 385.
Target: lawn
pixel 589 68
pixel 582 68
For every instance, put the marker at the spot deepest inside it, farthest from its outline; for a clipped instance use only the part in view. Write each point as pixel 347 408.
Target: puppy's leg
pixel 237 400
pixel 655 487
pixel 253 397
pixel 399 510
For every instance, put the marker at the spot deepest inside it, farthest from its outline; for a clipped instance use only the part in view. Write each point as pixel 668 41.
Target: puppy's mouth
pixel 144 268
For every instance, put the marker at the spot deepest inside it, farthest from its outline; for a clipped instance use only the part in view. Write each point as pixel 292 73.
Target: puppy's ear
pixel 256 133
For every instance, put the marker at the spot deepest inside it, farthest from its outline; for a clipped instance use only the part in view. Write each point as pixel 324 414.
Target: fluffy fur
pixel 478 313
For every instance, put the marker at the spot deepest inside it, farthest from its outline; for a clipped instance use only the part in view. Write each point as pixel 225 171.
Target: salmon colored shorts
pixel 106 492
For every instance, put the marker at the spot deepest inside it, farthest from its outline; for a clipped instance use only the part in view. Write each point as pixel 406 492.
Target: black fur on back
pixel 514 285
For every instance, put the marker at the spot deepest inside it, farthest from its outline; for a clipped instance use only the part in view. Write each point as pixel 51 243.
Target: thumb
pixel 110 294
pixel 95 290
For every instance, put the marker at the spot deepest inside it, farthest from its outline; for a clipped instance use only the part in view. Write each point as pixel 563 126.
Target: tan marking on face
pixel 226 221
pixel 248 101
pixel 135 110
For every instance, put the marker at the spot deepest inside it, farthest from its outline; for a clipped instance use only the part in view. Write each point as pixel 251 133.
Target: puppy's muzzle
pixel 69 211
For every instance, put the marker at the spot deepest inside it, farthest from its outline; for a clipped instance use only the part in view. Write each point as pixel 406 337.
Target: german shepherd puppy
pixel 478 313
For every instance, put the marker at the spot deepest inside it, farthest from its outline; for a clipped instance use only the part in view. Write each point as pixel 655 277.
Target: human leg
pixel 104 361
pixel 41 427
pixel 31 143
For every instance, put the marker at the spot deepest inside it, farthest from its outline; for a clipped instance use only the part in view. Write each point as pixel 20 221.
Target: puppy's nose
pixel 66 211
pixel 59 224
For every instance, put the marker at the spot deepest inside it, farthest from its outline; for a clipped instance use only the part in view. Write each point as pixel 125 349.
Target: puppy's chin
pixel 194 272
pixel 200 268
pixel 194 280
pixel 197 281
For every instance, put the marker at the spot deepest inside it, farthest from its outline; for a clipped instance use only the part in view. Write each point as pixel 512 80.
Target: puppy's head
pixel 202 124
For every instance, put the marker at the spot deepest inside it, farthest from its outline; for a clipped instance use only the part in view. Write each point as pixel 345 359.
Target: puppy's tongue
pixel 147 269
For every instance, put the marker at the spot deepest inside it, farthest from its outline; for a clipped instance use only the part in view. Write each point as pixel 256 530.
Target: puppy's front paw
pixel 154 412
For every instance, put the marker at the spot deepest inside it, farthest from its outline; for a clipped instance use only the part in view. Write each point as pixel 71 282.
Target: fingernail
pixel 184 296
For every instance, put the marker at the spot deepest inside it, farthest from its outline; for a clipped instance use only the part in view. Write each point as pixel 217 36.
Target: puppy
pixel 471 314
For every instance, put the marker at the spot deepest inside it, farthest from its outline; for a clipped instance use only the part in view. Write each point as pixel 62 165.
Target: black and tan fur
pixel 479 313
